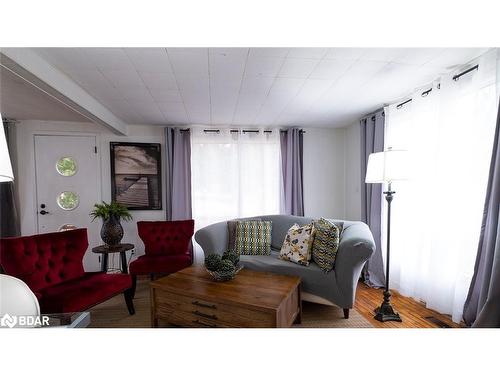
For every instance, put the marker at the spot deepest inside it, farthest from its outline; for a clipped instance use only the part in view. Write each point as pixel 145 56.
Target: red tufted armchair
pixel 51 265
pixel 167 247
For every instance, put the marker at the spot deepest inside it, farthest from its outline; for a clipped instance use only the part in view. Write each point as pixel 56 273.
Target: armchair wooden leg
pixel 134 285
pixel 346 313
pixel 129 300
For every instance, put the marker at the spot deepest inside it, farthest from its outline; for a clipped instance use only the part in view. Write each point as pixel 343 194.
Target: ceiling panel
pixel 248 86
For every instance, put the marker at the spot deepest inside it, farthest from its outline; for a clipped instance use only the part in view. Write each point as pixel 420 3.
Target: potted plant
pixel 111 214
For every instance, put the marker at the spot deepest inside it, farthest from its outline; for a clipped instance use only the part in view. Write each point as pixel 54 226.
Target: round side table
pixel 105 250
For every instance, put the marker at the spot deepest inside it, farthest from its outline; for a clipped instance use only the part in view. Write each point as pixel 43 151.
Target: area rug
pixel 113 314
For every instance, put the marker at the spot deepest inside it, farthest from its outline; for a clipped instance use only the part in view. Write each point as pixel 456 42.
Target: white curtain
pixel 234 175
pixel 437 213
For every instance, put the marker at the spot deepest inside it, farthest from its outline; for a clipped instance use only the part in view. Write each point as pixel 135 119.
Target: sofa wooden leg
pixel 134 285
pixel 346 313
pixel 129 300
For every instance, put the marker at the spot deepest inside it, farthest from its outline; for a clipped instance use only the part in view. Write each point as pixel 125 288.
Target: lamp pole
pixel 386 312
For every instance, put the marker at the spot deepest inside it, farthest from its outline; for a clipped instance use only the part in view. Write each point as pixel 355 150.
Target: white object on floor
pixel 16 300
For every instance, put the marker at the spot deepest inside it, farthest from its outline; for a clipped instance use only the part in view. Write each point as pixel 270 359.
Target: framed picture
pixel 136 175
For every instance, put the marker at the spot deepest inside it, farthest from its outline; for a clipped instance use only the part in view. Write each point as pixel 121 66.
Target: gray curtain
pixel 178 176
pixel 9 218
pixel 372 140
pixel 292 151
pixel 482 306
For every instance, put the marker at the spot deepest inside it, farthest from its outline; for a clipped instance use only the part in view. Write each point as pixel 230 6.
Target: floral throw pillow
pixel 298 244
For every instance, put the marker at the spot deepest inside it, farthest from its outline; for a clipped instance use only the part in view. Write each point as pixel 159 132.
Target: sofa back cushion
pixel 44 260
pixel 166 237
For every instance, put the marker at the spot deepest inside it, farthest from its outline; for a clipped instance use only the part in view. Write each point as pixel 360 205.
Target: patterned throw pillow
pixel 326 244
pixel 253 237
pixel 298 244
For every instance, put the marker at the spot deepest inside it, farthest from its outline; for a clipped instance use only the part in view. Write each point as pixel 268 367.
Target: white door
pixel 67 186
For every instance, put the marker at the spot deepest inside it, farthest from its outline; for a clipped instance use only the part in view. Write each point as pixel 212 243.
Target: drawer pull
pixel 203 315
pixel 198 303
pixel 204 324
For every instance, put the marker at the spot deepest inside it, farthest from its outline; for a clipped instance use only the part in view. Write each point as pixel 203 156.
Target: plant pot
pixel 112 231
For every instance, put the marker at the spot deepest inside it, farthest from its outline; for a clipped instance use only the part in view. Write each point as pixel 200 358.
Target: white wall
pixel 353 172
pixel 25 132
pixel 324 173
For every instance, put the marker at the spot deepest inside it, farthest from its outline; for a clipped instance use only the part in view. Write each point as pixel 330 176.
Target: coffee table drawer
pixel 194 311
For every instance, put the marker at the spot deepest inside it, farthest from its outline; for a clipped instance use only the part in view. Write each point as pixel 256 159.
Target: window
pixel 68 200
pixel 437 213
pixel 66 166
pixel 234 175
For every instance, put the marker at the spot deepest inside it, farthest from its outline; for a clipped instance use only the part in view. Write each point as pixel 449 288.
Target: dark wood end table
pixel 105 250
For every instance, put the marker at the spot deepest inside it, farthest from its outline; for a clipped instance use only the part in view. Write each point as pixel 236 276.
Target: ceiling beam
pixel 28 65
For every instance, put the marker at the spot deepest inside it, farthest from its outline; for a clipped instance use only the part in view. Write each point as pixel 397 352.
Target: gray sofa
pixel 336 287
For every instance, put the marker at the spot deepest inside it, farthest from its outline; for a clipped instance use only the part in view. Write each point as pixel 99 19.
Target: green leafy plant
pixel 106 210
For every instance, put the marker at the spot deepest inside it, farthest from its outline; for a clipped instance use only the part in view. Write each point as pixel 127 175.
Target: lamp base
pixel 386 313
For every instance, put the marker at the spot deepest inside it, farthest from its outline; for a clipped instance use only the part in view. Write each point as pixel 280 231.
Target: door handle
pixel 43 212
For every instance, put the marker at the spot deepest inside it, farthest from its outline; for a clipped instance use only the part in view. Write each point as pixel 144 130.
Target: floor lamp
pixel 386 167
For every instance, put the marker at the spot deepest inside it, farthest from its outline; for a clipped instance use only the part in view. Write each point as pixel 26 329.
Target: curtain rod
pixel 243 131
pixel 457 76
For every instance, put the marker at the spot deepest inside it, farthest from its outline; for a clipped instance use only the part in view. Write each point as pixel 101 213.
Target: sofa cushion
pixel 326 244
pixel 298 244
pixel 80 294
pixel 147 264
pixel 46 259
pixel 253 237
pixel 166 237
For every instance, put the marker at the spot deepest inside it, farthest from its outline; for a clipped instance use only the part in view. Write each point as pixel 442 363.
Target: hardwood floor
pixel 412 312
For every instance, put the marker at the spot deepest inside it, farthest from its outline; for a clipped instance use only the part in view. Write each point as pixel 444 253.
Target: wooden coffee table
pixel 190 298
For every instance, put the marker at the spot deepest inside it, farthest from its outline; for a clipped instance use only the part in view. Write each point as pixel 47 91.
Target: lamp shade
pixel 5 166
pixel 387 166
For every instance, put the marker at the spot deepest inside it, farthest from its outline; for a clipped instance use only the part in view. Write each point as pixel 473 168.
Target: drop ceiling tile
pixel 107 58
pixel 158 80
pixel 418 56
pixel 227 67
pixel 268 52
pixel 189 61
pixel 161 95
pixel 345 53
pixel 171 106
pixel 176 118
pixel 202 118
pixel 123 77
pixel 308 53
pixel 453 57
pixel 289 85
pixel 151 60
pixel 136 93
pixel 297 68
pixel 263 66
pixel 256 84
pixel 383 54
pixel 331 69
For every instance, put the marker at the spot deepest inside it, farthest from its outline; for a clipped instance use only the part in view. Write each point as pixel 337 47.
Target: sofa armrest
pixel 213 238
pixel 355 248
